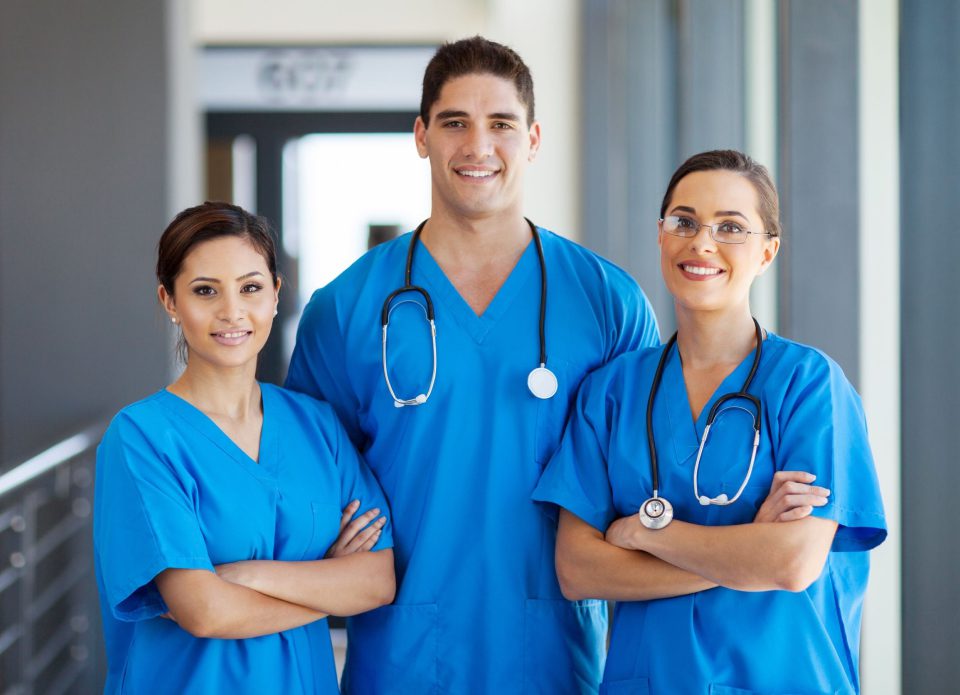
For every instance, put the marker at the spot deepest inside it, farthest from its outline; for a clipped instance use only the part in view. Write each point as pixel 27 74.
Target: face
pixel 479 145
pixel 224 300
pixel 703 274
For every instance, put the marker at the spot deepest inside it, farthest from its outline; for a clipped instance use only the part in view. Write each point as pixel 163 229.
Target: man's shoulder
pixel 365 274
pixel 588 263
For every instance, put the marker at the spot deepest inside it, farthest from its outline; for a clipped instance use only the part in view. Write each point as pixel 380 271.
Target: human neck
pixel 707 339
pixel 229 392
pixel 475 242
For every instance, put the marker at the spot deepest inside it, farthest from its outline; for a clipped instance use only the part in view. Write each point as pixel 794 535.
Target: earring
pixel 173 320
pixel 275 311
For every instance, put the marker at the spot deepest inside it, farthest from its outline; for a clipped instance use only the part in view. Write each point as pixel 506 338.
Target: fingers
pixel 796 513
pixel 367 538
pixel 355 526
pixel 805 500
pixel 348 513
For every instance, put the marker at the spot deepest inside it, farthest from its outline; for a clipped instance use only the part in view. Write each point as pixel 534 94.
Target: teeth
pixel 233 335
pixel 701 270
pixel 477 174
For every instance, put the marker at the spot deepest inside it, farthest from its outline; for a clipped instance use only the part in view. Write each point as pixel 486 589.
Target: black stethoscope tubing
pixel 654 387
pixel 408 286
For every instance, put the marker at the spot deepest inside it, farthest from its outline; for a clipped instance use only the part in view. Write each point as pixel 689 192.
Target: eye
pixel 730 228
pixel 203 291
pixel 500 125
pixel 251 287
pixel 454 124
pixel 687 223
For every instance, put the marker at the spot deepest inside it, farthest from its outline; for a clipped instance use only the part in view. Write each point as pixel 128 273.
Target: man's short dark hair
pixel 475 55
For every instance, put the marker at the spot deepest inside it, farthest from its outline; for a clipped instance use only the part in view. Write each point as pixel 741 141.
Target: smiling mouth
pixel 700 270
pixel 232 335
pixel 476 173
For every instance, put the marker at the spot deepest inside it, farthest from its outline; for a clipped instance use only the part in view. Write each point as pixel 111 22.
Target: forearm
pixel 590 567
pixel 207 606
pixel 746 557
pixel 344 585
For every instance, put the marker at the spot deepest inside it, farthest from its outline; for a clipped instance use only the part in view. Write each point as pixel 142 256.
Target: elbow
pixel 570 580
pixel 798 573
pixel 386 590
pixel 199 621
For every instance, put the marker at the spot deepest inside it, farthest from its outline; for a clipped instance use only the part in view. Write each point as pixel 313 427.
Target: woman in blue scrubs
pixel 757 584
pixel 224 526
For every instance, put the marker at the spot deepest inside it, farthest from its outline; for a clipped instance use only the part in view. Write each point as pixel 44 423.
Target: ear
pixel 276 290
pixel 534 140
pixel 420 137
pixel 166 301
pixel 771 247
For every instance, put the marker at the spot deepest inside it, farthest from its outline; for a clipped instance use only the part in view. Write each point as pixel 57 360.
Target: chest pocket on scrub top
pixel 306 531
pixel 552 414
pixel 725 464
pixel 409 352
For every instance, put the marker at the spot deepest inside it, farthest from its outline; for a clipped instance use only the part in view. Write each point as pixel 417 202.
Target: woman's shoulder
pixel 144 414
pixel 626 370
pixel 803 358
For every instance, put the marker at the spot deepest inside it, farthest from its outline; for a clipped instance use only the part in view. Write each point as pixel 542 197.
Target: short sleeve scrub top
pixel 173 491
pixel 721 640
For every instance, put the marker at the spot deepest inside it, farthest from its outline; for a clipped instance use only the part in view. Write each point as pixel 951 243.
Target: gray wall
pixel 818 265
pixel 663 79
pixel 930 205
pixel 83 199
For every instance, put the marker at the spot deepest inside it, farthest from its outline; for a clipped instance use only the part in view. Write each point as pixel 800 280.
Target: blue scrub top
pixel 725 641
pixel 173 491
pixel 478 608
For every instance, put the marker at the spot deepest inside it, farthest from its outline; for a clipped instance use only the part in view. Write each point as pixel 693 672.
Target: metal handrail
pixel 50 637
pixel 50 458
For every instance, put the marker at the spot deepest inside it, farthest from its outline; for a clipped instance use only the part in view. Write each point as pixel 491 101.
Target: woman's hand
pixel 623 532
pixel 358 535
pixel 792 496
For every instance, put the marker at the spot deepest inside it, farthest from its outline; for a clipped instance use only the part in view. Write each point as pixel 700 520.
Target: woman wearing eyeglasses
pixel 685 478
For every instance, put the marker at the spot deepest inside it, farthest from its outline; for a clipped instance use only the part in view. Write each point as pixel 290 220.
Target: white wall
pixel 880 326
pixel 544 32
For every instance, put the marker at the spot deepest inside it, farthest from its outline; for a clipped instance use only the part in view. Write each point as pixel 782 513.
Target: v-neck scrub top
pixel 721 640
pixel 173 491
pixel 478 608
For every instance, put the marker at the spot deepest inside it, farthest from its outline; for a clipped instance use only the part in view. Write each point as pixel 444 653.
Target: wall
pixel 544 32
pixel 84 136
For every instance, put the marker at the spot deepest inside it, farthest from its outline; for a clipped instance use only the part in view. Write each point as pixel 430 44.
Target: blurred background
pixel 115 115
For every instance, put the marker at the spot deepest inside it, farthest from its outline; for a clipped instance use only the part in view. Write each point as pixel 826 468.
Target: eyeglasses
pixel 726 232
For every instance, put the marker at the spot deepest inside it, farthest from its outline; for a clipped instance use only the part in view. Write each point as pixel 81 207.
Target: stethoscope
pixel 541 381
pixel 657 512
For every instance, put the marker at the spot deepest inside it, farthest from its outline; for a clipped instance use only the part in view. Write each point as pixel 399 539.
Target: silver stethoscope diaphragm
pixel 656 512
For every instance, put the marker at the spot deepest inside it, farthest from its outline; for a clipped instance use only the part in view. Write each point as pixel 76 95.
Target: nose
pixel 702 240
pixel 478 144
pixel 230 309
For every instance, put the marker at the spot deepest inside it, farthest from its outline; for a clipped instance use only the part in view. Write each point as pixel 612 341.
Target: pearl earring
pixel 173 320
pixel 275 311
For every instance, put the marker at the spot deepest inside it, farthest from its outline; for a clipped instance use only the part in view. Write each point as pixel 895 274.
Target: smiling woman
pixel 732 572
pixel 226 508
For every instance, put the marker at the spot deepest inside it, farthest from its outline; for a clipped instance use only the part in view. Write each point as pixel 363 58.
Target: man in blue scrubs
pixel 478 607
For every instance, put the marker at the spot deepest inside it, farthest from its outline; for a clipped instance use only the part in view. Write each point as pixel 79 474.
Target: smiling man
pixel 452 355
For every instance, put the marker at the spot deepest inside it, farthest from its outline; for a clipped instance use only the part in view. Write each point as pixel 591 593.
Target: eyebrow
pixel 252 273
pixel 718 213
pixel 498 115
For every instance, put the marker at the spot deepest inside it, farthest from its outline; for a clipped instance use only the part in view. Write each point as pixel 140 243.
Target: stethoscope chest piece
pixel 542 382
pixel 655 513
